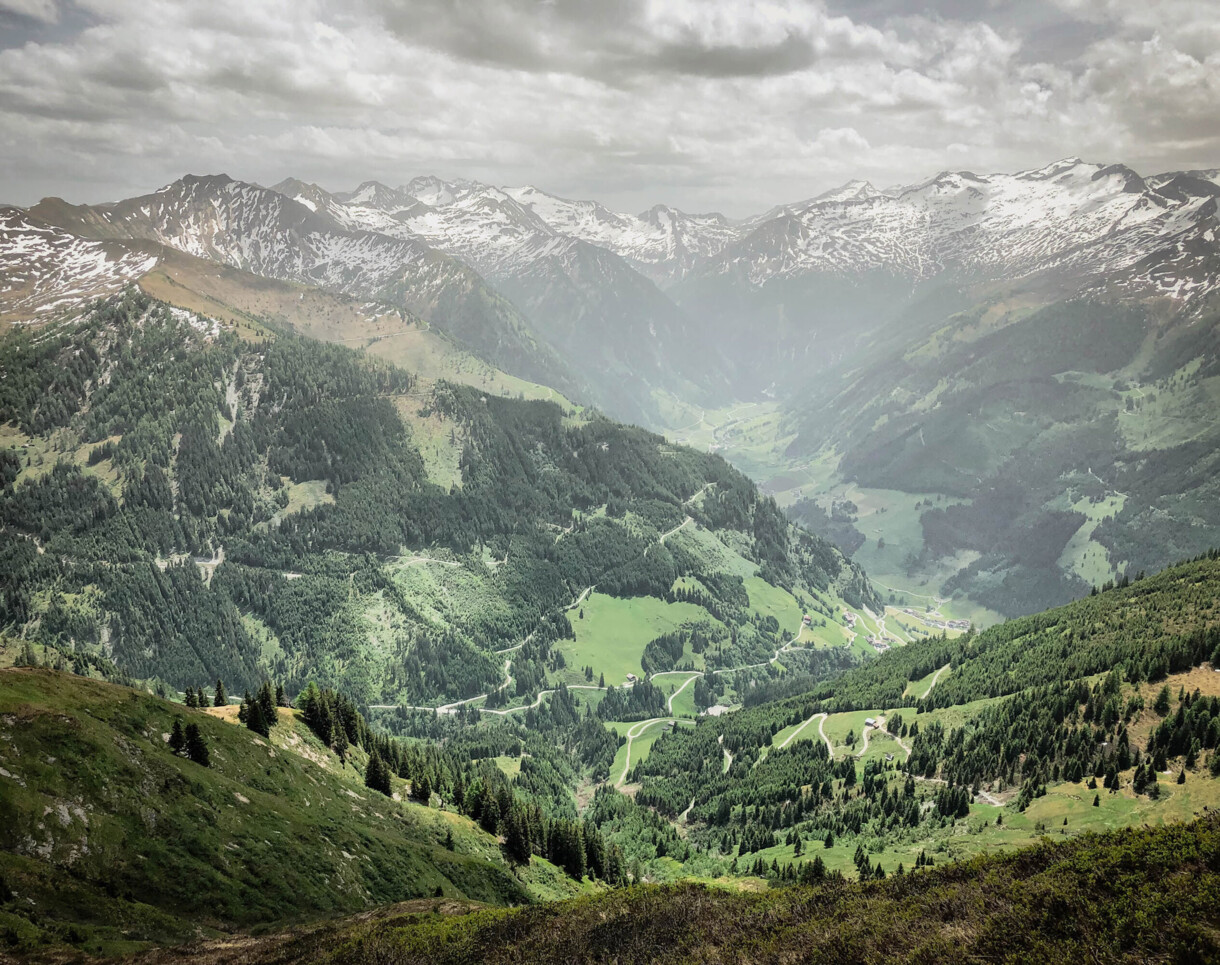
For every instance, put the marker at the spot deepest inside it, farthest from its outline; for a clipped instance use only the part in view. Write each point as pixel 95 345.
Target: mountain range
pixel 856 317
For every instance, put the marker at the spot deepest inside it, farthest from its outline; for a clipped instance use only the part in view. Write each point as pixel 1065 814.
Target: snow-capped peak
pixel 374 194
pixel 854 190
pixel 436 192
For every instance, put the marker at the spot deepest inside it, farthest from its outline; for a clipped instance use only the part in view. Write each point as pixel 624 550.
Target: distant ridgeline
pixel 147 448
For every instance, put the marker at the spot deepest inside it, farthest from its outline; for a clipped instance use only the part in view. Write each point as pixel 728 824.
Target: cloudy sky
pixel 727 105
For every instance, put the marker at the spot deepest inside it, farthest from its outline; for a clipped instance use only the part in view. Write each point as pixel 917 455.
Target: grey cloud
pixel 706 104
pixel 42 11
pixel 790 54
pixel 610 40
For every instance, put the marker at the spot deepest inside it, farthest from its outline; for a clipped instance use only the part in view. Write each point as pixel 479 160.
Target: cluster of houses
pixel 878 643
pixel 939 624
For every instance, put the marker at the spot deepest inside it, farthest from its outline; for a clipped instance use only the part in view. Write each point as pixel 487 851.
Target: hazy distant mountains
pixel 613 307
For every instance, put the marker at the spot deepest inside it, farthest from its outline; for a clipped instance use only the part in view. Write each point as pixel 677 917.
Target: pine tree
pixel 516 837
pixel 449 838
pixel 829 840
pixel 220 700
pixel 196 746
pixel 377 775
pixel 266 703
pixel 177 739
pixel 281 698
pixel 188 698
pixel 256 721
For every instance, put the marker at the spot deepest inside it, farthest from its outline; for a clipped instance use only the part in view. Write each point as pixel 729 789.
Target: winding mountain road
pixel 669 704
pixel 637 730
pixel 934 680
pixel 580 598
pixel 793 736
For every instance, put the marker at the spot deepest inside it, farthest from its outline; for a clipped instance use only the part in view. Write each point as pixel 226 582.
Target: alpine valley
pixel 460 573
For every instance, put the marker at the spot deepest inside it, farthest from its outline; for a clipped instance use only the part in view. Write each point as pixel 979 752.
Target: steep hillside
pixel 253 304
pixel 1091 716
pixel 586 301
pixel 48 270
pixel 1073 442
pixel 266 233
pixel 1132 896
pixel 109 840
pixel 310 512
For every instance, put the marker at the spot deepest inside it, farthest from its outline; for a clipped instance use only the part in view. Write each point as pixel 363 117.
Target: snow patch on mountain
pixel 1072 218
pixel 45 270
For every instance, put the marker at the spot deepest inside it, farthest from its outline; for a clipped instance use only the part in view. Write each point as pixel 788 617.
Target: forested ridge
pixel 154 448
pixel 1056 695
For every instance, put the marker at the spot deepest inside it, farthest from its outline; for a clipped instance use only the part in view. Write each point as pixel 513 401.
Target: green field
pixel 979 834
pixel 922 686
pixel 683 705
pixel 838 726
pixel 775 601
pixel 1088 560
pixel 613 633
pixel 805 730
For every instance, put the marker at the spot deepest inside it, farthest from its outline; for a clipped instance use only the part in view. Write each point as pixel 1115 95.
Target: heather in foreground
pixel 1137 895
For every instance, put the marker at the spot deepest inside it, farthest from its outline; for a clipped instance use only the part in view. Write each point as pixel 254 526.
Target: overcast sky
pixel 707 104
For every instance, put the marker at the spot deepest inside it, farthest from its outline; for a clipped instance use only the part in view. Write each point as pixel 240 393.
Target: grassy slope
pixel 107 838
pixel 614 631
pixel 1141 895
pixel 248 302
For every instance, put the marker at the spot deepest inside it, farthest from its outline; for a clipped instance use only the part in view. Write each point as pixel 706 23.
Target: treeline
pixel 511 809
